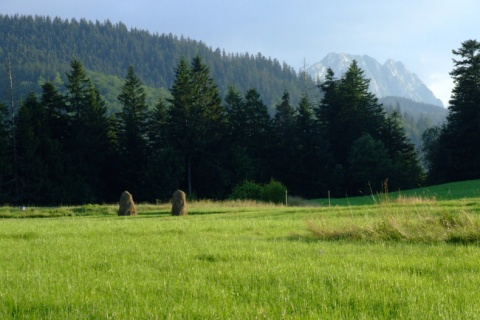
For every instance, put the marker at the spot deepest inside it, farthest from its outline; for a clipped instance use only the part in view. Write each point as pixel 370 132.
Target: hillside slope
pixel 41 48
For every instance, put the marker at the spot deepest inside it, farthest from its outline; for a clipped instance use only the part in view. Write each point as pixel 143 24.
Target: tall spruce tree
pixel 89 135
pixel 312 169
pixel 348 112
pixel 241 165
pixel 252 129
pixel 459 156
pixel 132 125
pixel 196 126
pixel 285 148
pixel 406 171
pixel 55 108
pixel 179 129
pixel 164 166
pixel 36 152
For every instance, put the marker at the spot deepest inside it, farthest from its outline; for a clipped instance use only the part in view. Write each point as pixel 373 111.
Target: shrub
pixel 248 190
pixel 274 192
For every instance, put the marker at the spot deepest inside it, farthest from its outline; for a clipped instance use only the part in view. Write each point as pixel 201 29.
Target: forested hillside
pixel 62 143
pixel 41 48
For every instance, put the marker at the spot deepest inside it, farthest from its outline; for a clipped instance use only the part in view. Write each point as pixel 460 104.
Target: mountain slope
pixel 41 48
pixel 389 79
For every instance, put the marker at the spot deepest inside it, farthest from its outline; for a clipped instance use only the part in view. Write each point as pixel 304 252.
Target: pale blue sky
pixel 419 33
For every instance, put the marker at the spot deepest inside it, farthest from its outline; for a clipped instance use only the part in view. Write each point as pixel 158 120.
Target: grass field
pixel 413 257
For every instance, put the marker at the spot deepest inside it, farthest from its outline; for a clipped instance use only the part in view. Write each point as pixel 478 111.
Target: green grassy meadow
pixel 408 257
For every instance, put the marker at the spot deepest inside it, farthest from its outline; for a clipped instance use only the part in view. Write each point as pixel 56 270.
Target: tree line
pixel 64 148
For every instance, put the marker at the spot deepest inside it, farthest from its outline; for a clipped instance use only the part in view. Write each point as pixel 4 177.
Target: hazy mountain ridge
pixel 436 114
pixel 390 79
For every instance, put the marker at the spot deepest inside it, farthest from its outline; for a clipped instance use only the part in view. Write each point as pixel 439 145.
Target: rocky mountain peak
pixel 389 79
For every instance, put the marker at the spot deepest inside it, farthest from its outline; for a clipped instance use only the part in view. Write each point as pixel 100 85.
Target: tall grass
pixel 243 261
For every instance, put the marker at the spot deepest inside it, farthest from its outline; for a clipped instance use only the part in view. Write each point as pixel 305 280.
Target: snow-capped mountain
pixel 389 79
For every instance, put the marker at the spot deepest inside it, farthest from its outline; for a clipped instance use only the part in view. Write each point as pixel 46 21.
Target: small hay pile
pixel 179 203
pixel 127 207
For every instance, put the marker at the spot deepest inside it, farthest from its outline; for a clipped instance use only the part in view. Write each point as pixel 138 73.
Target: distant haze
pixel 390 79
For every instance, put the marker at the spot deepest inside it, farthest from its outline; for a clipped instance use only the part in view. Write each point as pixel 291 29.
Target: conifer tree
pixel 255 133
pixel 196 127
pixel 89 135
pixel 348 112
pixel 164 166
pixel 459 156
pixel 35 151
pixel 131 131
pixel 406 171
pixel 285 149
pixel 241 164
pixel 311 171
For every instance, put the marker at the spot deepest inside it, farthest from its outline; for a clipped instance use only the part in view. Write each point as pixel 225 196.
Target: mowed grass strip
pixel 237 261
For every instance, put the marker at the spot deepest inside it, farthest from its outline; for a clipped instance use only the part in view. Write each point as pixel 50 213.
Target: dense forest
pixel 41 48
pixel 61 142
pixel 65 148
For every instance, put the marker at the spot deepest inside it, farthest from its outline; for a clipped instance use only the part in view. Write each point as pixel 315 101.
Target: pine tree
pixel 241 164
pixel 36 154
pixel 406 171
pixel 77 88
pixel 369 165
pixel 312 173
pixel 285 142
pixel 179 128
pixel 459 158
pixel 164 166
pixel 89 136
pixel 255 134
pixel 60 164
pixel 131 132
pixel 348 112
pixel 196 126
pixel 209 118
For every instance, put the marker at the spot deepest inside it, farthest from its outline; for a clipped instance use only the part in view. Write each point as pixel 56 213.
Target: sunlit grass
pixel 410 258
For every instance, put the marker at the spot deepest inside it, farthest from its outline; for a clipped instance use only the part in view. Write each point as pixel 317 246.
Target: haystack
pixel 127 207
pixel 179 203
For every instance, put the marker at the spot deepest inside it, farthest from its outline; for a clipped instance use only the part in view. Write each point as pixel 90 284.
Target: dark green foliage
pixel 89 138
pixel 406 172
pixel 36 154
pixel 192 141
pixel 457 156
pixel 369 165
pixel 196 129
pixel 131 134
pixel 42 48
pixel 431 148
pixel 5 154
pixel 349 112
pixel 285 142
pixel 274 192
pixel 251 131
pixel 164 166
pixel 248 190
pixel 311 161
